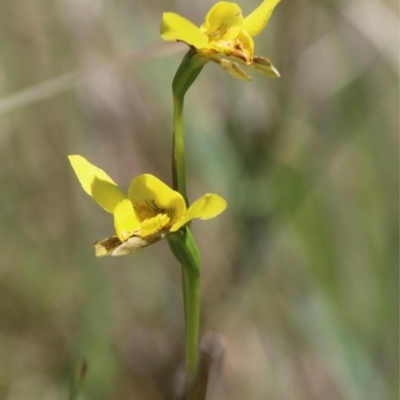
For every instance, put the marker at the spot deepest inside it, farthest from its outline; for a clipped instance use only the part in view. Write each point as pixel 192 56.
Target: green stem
pixel 191 280
pixel 178 150
pixel 186 74
pixel 182 242
pixel 185 250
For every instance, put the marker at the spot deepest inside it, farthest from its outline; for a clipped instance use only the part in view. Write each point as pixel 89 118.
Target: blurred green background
pixel 300 275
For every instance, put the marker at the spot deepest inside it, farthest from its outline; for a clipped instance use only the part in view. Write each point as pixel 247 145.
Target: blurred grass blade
pixel 77 381
pixel 61 83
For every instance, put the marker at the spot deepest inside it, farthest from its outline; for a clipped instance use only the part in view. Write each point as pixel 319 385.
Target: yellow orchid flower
pixel 147 213
pixel 225 37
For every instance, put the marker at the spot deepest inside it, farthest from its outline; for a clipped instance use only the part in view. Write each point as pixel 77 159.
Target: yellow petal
pixel 242 47
pixel 208 206
pixel 223 21
pixel 176 28
pixel 245 45
pixel 126 222
pixel 256 21
pixel 97 183
pixel 150 197
pixel 153 225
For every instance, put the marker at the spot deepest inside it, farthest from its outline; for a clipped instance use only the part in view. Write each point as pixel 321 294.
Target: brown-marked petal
pixel 150 197
pixel 223 21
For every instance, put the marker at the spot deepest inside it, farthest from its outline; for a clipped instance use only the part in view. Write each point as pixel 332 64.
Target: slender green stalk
pixel 192 304
pixel 186 74
pixel 178 150
pixel 182 242
pixel 185 250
